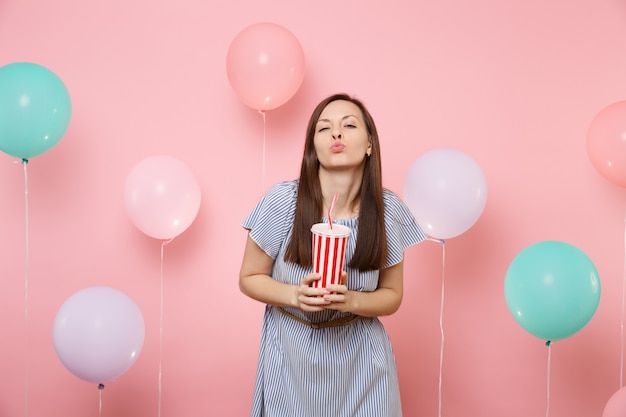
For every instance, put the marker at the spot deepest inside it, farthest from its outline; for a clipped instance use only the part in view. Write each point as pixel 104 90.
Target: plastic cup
pixel 329 252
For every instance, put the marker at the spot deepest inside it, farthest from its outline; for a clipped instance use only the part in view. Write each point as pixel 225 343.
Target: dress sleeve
pixel 270 220
pixel 401 227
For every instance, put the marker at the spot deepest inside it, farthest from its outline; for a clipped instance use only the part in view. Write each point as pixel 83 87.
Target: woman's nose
pixel 337 134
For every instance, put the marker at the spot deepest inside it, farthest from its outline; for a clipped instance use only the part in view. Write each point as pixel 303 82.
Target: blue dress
pixel 346 371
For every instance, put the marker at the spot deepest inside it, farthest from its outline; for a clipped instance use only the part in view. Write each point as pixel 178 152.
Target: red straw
pixel 330 211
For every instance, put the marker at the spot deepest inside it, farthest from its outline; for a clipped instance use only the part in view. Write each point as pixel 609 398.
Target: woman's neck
pixel 347 187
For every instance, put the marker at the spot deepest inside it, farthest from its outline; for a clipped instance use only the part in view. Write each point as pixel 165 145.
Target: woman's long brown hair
pixel 371 244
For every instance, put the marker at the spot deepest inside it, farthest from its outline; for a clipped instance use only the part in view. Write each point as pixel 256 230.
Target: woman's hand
pixel 309 298
pixel 338 296
pixel 383 301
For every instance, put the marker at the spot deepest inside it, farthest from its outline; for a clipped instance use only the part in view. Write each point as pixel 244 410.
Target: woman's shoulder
pixel 286 185
pixel 402 229
pixel 275 207
pixel 280 198
pixel 396 208
pixel 390 198
pixel 282 190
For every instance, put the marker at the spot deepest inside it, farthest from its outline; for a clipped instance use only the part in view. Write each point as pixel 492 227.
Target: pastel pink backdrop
pixel 512 84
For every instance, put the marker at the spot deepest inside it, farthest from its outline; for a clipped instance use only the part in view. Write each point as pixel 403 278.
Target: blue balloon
pixel 35 109
pixel 552 289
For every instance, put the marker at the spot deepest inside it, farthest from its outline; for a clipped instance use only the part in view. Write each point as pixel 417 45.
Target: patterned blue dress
pixel 346 371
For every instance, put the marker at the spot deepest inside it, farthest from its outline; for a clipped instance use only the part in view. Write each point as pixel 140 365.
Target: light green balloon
pixel 35 109
pixel 552 289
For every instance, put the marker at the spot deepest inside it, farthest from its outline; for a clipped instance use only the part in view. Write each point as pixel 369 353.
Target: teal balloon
pixel 552 289
pixel 35 109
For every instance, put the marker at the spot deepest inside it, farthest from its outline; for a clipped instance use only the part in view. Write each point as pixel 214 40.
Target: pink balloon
pixel 162 197
pixel 265 65
pixel 446 192
pixel 616 406
pixel 98 334
pixel 606 143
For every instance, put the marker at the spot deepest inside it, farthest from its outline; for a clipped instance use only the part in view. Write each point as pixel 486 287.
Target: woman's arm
pixel 383 301
pixel 255 282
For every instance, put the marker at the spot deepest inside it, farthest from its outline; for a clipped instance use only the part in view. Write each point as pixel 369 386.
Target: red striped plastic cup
pixel 329 252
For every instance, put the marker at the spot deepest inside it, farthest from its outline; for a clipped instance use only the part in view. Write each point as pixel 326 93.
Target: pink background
pixel 514 84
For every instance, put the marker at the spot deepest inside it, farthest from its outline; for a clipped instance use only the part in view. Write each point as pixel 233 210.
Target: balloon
pixel 616 406
pixel 35 109
pixel 98 334
pixel 446 191
pixel 552 289
pixel 162 197
pixel 606 143
pixel 265 65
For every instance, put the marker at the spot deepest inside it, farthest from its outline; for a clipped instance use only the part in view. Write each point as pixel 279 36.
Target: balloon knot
pixel 164 242
pixel 24 161
pixel 548 343
pixel 100 387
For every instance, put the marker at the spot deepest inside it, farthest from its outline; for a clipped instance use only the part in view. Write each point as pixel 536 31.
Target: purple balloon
pixel 98 334
pixel 446 191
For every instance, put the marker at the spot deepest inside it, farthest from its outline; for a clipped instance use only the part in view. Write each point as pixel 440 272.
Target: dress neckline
pixel 350 222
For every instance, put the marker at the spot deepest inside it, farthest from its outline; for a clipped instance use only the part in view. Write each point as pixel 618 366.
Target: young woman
pixel 323 350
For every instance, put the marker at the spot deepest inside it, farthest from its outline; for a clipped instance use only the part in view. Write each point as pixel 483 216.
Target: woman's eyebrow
pixel 343 118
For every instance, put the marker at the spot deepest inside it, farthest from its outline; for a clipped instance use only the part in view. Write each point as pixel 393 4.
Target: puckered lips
pixel 337 147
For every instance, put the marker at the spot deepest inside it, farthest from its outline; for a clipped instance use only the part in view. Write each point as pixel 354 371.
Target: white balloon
pixel 446 191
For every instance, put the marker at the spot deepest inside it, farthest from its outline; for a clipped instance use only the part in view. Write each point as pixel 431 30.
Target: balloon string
pixel 443 275
pixel 100 388
pixel 443 263
pixel 263 154
pixel 548 380
pixel 26 371
pixel 621 366
pixel 163 245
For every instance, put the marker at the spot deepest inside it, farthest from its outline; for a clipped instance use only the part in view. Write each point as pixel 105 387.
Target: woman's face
pixel 341 139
